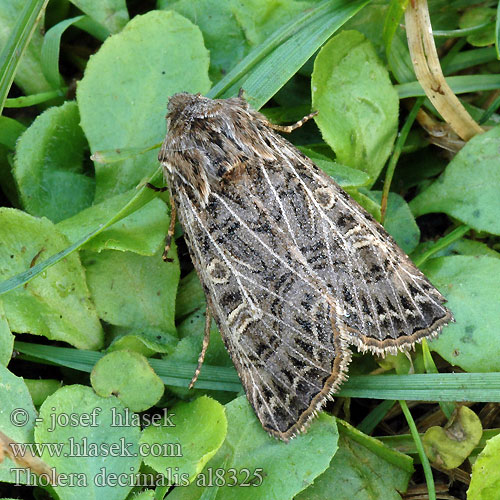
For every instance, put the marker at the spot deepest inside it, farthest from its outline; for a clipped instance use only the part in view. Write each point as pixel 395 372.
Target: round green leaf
pixel 95 448
pixel 199 429
pixel 48 165
pixel 468 188
pixel 276 470
pixel 470 285
pixel 399 221
pixel 17 407
pixel 145 341
pixel 128 376
pixel 123 94
pixel 363 465
pixel 357 104
pixel 132 290
pixel 448 447
pixel 475 17
pixel 55 304
pixel 485 478
pixel 40 389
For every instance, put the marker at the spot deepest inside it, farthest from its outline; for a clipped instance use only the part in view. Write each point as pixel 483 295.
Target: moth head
pixel 184 108
pixel 183 105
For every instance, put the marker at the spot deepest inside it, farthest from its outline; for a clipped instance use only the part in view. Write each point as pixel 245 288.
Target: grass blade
pixel 484 387
pixel 17 43
pixel 459 85
pixel 272 63
pixel 431 489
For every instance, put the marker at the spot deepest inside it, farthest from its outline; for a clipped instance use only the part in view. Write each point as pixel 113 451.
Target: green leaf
pixel 246 24
pixel 448 447
pixel 140 198
pixel 188 350
pixel 48 165
pixel 112 14
pixel 55 304
pixel 10 130
pixel 128 376
pixel 191 296
pixel 399 221
pixel 123 94
pixel 21 43
pixel 17 417
pixel 198 431
pixel 468 188
pixel 41 389
pixel 142 232
pixel 363 465
pixel 497 32
pixel 344 176
pixel 475 17
pixel 470 285
pixel 356 102
pixel 94 430
pixel 273 62
pixel 285 468
pixel 145 341
pixel 365 201
pixel 485 478
pixel 133 290
pixel 6 338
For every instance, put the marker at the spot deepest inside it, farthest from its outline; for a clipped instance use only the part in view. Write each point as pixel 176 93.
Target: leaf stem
pixel 420 449
pixel 31 100
pixel 463 32
pixel 400 142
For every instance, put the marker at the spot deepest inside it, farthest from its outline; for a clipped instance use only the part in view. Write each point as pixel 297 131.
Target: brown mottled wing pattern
pixel 295 269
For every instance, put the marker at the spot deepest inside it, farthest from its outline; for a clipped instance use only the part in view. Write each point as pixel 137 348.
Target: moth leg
pixel 206 340
pixel 171 231
pixel 291 128
pixel 156 188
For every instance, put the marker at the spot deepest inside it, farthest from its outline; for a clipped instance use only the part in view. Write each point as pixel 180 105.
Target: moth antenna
pixel 290 128
pixel 206 340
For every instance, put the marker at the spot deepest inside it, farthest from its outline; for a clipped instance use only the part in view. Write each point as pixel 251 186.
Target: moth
pixel 295 272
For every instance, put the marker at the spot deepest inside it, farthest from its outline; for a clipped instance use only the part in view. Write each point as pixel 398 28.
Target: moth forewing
pixel 294 269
